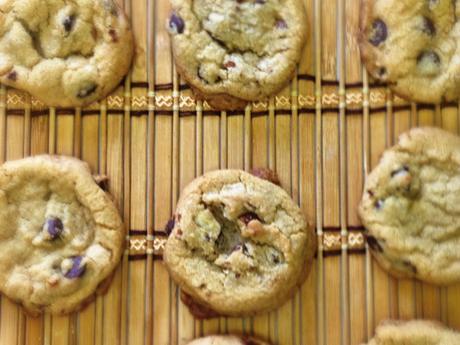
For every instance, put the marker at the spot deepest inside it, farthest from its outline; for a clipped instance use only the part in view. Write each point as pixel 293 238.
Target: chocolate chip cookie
pixel 411 207
pixel 414 46
pixel 65 53
pixel 60 234
pixel 239 245
pixel 416 332
pixel 232 52
pixel 226 340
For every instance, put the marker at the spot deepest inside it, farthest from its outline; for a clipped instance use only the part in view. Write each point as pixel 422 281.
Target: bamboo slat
pixel 323 134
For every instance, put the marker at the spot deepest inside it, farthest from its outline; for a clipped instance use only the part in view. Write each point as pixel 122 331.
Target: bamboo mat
pixel 322 134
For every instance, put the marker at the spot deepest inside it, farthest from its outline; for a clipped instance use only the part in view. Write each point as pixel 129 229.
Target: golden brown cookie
pixel 65 53
pixel 61 235
pixel 232 52
pixel 239 245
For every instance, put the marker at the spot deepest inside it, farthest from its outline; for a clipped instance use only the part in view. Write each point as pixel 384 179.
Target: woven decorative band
pixel 332 241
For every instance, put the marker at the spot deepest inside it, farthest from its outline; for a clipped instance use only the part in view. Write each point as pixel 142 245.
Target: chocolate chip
pixel 382 71
pixel 78 268
pixel 405 168
pixel 69 23
pixel 428 26
pixel 170 225
pixel 247 217
pixel 113 35
pixel 87 90
pixel 229 64
pixel 378 204
pixel 102 181
pixel 379 32
pixel 281 24
pixel 13 76
pixel 54 227
pixel 374 244
pixel 371 193
pixel 176 24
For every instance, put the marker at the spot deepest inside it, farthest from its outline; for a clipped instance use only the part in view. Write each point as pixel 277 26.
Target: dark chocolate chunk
pixel 78 268
pixel 69 23
pixel 13 76
pixel 379 32
pixel 405 168
pixel 374 244
pixel 113 35
pixel 170 225
pixel 378 204
pixel 176 23
pixel 281 24
pixel 247 217
pixel 428 26
pixel 87 90
pixel 54 227
pixel 382 72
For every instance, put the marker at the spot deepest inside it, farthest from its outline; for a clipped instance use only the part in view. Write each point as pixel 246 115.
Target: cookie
pixel 65 53
pixel 226 340
pixel 60 234
pixel 416 332
pixel 414 46
pixel 411 207
pixel 232 52
pixel 239 245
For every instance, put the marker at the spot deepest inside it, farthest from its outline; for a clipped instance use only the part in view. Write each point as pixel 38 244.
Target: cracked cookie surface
pixel 411 207
pixel 414 46
pixel 227 340
pixel 232 52
pixel 239 244
pixel 415 332
pixel 65 53
pixel 60 234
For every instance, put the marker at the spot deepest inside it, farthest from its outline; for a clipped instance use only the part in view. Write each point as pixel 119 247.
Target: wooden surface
pixel 322 134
